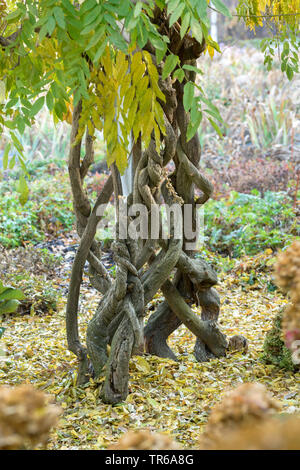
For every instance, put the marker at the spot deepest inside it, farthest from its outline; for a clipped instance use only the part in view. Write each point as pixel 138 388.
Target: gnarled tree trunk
pixel 145 267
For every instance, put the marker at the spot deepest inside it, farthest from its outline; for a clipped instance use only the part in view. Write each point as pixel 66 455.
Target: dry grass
pixel 261 108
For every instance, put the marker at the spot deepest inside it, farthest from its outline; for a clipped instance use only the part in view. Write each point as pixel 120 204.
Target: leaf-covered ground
pixel 263 123
pixel 166 396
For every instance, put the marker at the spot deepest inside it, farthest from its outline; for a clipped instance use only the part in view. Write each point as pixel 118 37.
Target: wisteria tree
pixel 128 69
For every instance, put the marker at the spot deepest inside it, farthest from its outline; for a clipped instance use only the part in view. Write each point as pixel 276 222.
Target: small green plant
pixel 9 299
pixel 2 351
pixel 43 143
pixel 269 123
pixel 275 351
pixel 246 224
pixel 9 302
pixel 40 296
pixel 48 211
pixel 33 271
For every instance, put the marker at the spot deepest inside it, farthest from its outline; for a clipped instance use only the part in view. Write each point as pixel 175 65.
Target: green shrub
pixel 275 351
pixel 32 270
pixel 48 211
pixel 9 299
pixel 248 223
pixel 40 295
pixel 9 302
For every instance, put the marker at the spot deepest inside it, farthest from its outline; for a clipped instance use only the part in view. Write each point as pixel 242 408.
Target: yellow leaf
pixel 91 127
pixel 157 136
pixel 106 62
pixel 142 365
pixel 153 403
pixel 2 92
pixel 125 85
pixel 121 158
pixel 132 113
pixel 142 86
pixel 121 66
pixel 211 51
pixel 129 95
pixel 136 60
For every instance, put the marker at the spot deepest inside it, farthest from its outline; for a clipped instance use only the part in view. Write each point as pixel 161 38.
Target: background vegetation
pixel 253 214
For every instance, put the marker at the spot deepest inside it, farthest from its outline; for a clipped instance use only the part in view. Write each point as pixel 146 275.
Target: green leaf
pixel 170 64
pixel 10 293
pixel 87 5
pixel 10 124
pixel 185 23
pixel 13 16
pixel 11 103
pixel 118 40
pixel 212 107
pixel 137 9
pixel 20 124
pixel 9 306
pixel 172 5
pixel 93 25
pixel 286 47
pixel 131 22
pixel 51 23
pixel 201 6
pixel 192 68
pixel 43 32
pixel 197 30
pixel 179 74
pixel 16 142
pixel 188 96
pixel 69 7
pixel 176 13
pixel 221 8
pixel 93 16
pixel 160 53
pixel 142 36
pixel 289 72
pixel 216 127
pixel 193 125
pixel 12 162
pixel 23 190
pixel 37 106
pixel 213 114
pixel 96 37
pixel 100 50
pixel 60 17
pixel 2 91
pixel 49 101
pixel 5 155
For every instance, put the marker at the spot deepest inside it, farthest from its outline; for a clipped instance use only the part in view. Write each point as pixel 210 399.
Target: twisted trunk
pixel 144 267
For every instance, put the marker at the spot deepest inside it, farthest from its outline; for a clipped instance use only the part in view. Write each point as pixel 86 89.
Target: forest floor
pixel 165 396
pixel 260 152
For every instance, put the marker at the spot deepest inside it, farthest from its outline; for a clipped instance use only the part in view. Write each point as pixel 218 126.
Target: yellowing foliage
pixel 123 97
pixel 281 12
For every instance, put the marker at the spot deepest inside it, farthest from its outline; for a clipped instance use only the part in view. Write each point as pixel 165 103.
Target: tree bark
pixel 144 267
